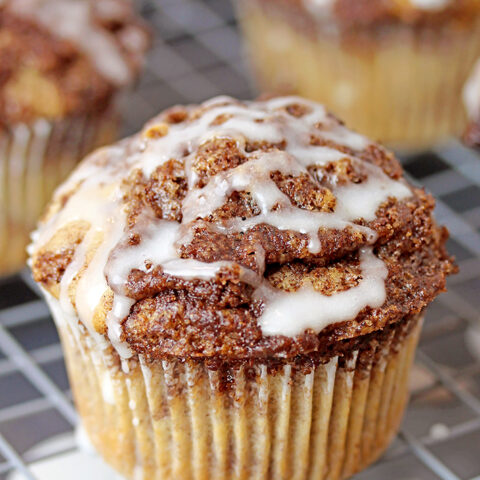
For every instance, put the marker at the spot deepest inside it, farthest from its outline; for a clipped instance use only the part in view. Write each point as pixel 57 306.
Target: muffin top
pixel 372 13
pixel 62 57
pixel 239 230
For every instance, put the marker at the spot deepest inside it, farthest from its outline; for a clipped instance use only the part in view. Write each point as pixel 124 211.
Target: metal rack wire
pixel 196 55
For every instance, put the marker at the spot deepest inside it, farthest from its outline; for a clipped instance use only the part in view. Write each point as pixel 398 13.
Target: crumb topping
pixel 73 55
pixel 337 16
pixel 240 229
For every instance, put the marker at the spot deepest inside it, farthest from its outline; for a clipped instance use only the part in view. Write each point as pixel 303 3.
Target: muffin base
pixel 402 86
pixel 176 419
pixel 34 159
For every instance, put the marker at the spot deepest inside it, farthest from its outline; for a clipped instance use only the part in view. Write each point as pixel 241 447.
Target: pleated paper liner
pixel 34 159
pixel 177 420
pixel 403 88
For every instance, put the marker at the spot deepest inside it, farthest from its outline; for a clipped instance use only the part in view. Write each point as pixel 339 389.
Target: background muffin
pixel 62 66
pixel 392 69
pixel 239 291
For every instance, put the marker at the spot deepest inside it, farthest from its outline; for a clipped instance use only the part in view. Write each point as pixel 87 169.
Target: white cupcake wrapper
pixel 172 419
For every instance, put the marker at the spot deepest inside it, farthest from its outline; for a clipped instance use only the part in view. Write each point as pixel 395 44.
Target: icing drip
pixel 323 12
pixel 361 200
pixel 254 177
pixel 97 202
pixel 158 247
pixel 292 313
pixel 97 199
pixel 323 9
pixel 73 21
pixel 259 125
pixel 430 4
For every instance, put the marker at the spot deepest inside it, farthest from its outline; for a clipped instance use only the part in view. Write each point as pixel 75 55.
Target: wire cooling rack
pixel 197 55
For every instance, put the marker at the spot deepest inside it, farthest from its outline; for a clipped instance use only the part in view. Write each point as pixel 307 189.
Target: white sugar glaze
pixel 430 4
pixel 471 93
pixel 97 199
pixel 291 314
pixel 323 8
pixel 73 20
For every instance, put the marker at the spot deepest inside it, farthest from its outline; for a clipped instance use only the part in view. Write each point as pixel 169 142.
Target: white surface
pixel 74 466
pixel 81 462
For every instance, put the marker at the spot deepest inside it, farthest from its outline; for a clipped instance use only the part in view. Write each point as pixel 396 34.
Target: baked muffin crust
pixel 239 230
pixel 42 51
pixel 359 14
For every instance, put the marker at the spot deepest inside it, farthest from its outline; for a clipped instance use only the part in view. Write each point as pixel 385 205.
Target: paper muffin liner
pixel 180 419
pixel 34 159
pixel 402 86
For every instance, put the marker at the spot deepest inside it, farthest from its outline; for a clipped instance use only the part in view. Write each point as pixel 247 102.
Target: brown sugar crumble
pixel 217 318
pixel 363 15
pixel 65 81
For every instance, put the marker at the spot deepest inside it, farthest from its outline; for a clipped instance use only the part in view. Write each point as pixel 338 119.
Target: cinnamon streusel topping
pixel 62 57
pixel 240 229
pixel 343 15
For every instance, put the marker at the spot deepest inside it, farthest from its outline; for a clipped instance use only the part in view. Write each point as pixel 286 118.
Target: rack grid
pixel 197 54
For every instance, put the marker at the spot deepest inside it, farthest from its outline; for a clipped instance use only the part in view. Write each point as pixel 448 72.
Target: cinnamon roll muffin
pixel 239 290
pixel 393 69
pixel 63 64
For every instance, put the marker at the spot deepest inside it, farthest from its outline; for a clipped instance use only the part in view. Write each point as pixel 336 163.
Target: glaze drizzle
pixel 97 199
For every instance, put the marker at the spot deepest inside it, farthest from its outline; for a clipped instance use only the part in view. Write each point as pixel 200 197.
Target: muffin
pixel 239 291
pixel 393 69
pixel 63 64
